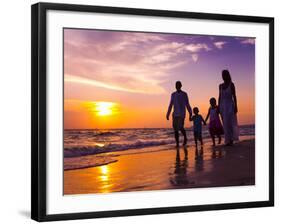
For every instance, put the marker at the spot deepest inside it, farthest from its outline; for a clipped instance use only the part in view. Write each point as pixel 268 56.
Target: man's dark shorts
pixel 178 123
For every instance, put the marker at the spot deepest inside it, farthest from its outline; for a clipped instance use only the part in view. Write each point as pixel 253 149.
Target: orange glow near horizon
pixel 105 115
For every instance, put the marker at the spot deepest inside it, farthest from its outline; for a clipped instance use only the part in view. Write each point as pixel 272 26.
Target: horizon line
pixel 66 129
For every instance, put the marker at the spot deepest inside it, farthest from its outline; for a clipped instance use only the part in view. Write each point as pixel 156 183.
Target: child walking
pixel 215 126
pixel 197 125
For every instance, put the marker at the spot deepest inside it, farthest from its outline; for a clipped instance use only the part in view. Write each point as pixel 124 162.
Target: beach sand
pixel 159 169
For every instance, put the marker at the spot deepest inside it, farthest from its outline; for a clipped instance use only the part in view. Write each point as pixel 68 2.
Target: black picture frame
pixel 38 108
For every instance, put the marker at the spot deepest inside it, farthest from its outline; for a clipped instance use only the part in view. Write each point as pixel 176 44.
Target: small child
pixel 197 125
pixel 215 126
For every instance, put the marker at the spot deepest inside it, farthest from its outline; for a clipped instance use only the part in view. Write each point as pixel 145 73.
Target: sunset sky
pixel 125 79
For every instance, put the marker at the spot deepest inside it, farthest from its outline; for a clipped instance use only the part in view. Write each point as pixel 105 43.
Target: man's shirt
pixel 179 102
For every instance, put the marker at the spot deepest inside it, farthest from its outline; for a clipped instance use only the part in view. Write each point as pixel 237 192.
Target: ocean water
pixel 82 142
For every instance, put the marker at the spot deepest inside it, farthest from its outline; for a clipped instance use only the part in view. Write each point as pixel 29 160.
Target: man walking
pixel 179 102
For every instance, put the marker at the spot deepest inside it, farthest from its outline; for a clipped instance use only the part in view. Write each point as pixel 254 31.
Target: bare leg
pixel 201 141
pixel 195 139
pixel 196 153
pixel 184 136
pixel 177 138
pixel 178 155
pixel 185 152
pixel 213 139
pixel 219 142
pixel 202 151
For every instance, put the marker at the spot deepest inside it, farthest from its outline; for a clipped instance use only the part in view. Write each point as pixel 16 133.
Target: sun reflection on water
pixel 99 144
pixel 104 178
pixel 104 173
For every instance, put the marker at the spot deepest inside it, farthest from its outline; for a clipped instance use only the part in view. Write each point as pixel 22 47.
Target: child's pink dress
pixel 215 126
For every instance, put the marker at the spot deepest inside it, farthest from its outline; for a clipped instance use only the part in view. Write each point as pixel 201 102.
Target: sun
pixel 104 108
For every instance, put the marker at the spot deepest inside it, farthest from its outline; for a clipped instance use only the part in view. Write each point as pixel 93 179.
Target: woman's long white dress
pixel 229 118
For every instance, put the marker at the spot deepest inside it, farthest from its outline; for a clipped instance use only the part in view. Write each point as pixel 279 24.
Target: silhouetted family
pixel 226 109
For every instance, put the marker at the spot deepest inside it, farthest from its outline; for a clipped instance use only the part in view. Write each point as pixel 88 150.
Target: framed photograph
pixel 140 111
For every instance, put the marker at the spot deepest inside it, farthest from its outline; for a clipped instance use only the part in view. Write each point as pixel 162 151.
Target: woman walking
pixel 228 108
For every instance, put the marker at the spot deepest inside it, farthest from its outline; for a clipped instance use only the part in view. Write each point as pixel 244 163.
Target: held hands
pixel 204 121
pixel 167 117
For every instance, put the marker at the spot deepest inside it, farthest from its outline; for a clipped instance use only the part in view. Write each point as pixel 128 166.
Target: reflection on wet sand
pixel 180 177
pixel 199 161
pixel 104 178
pixel 185 167
pixel 217 153
pixel 171 168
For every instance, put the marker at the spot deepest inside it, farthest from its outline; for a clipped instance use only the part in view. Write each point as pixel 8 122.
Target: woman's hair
pixel 226 75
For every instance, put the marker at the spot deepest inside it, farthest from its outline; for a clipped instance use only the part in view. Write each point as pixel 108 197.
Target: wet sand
pixel 158 169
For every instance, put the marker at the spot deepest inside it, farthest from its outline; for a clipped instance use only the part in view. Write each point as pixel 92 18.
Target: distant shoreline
pixel 190 127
